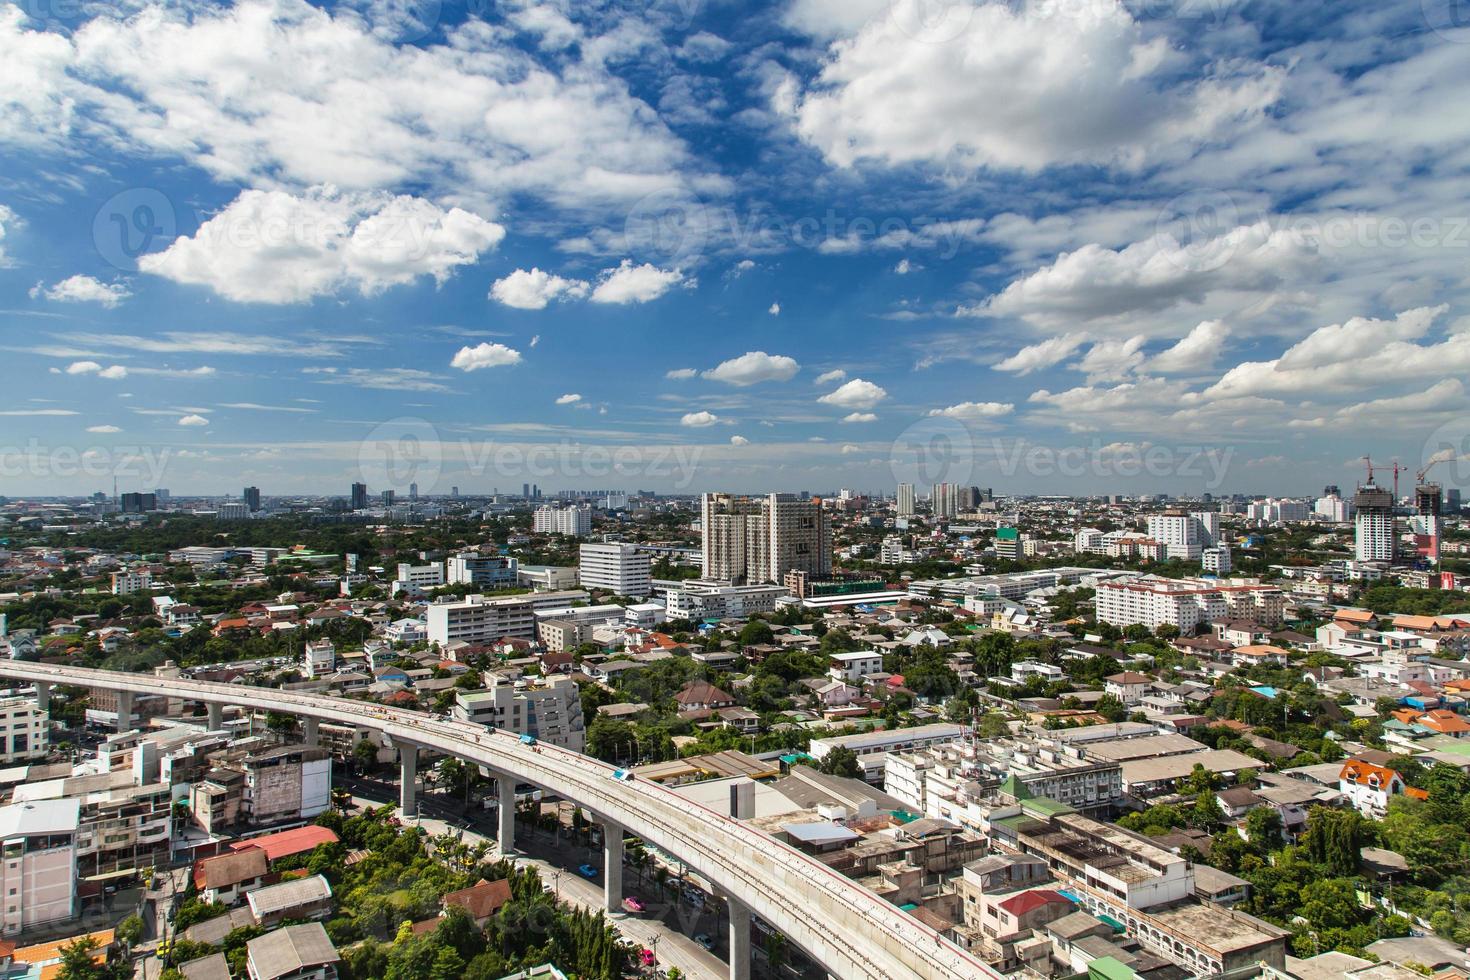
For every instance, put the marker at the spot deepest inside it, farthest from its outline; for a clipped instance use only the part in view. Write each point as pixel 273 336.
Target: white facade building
pixel 420 576
pixel 706 600
pixel 619 568
pixel 905 500
pixel 128 582
pixel 38 864
pixel 1187 603
pixel 24 730
pixel 760 539
pixel 549 711
pixel 573 521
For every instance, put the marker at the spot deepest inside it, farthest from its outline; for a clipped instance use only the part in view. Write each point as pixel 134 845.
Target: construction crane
pixel 1395 466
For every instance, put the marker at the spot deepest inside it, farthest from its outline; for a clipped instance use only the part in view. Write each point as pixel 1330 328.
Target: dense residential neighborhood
pixel 1053 759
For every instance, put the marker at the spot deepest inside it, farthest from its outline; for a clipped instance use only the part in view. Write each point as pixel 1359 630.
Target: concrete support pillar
pixel 612 866
pixel 43 696
pixel 310 733
pixel 739 939
pixel 506 812
pixel 408 758
pixel 124 710
pixel 216 715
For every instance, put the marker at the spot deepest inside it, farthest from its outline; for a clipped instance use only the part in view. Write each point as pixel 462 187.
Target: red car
pixel 646 957
pixel 633 904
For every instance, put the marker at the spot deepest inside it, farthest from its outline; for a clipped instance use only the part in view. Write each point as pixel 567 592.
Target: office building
pixel 428 576
pixel 251 497
pixel 477 620
pixel 550 711
pixel 905 500
pixel 619 568
pixel 387 497
pixel 232 510
pixel 759 539
pixel 359 496
pixel 1375 535
pixel 413 492
pixel 697 600
pixel 573 521
pixel 1008 543
pixel 39 872
pixel 139 503
pixel 489 571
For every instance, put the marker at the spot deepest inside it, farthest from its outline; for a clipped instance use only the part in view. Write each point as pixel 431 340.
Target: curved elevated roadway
pixel 845 927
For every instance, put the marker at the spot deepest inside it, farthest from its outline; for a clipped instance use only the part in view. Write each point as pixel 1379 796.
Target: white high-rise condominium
pixel 1185 536
pixel 760 539
pixel 905 500
pixel 617 567
pixel 1375 524
pixel 572 521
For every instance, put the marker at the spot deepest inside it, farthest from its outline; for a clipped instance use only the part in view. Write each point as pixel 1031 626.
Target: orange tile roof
pixel 1367 774
pixel 1358 616
pixel 295 841
pixel 1444 721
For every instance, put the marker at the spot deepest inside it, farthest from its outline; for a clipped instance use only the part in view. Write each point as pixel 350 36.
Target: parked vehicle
pixel 633 904
pixel 704 940
pixel 587 871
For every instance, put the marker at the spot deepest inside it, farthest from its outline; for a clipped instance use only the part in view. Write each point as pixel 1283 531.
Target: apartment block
pixel 550 711
pixel 1188 603
pixel 473 568
pixel 131 581
pixel 259 789
pixel 38 864
pixel 574 521
pixel 24 730
pixel 698 599
pixel 759 539
pixel 616 567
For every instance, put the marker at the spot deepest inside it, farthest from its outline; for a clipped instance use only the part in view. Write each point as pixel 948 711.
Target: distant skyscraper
pixel 1375 524
pixel 161 495
pixel 1451 500
pixel 387 497
pixel 138 503
pixel 905 500
pixel 526 490
pixel 454 491
pixel 944 500
pixel 251 496
pixel 759 539
pixel 359 496
pixel 413 491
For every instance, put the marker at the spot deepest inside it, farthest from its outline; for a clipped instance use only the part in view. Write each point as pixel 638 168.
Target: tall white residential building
pixel 617 567
pixel 24 730
pixel 420 576
pixel 1187 603
pixel 1375 537
pixel 760 539
pixel 1333 508
pixel 321 657
pixel 1216 560
pixel 1183 535
pixel 550 711
pixel 38 872
pixel 905 500
pixel 573 521
pixel 1088 540
pixel 128 582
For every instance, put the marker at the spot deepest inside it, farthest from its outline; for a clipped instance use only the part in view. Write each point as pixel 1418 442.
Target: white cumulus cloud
pixel 278 247
pixel 484 355
pixel 630 283
pixel 754 367
pixel 568 399
pixel 975 410
pixel 739 441
pixel 857 393
pixel 535 289
pixel 193 420
pixel 83 289
pixel 698 420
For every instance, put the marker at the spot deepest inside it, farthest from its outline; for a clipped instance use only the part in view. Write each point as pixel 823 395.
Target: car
pixel 633 904
pixel 587 871
pixel 646 957
pixel 626 775
pixel 694 896
pixel 528 739
pixel 704 940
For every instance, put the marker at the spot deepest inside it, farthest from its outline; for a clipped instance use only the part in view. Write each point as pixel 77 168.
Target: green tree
pixel 841 761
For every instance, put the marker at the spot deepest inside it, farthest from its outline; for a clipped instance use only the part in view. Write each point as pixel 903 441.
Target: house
pixel 300 952
pixel 1128 686
pixel 1442 721
pixel 742 720
pixel 1369 787
pixel 702 696
pixel 287 843
pixel 294 899
pixel 1262 654
pixel 835 694
pixel 853 667
pixel 482 900
pixel 226 877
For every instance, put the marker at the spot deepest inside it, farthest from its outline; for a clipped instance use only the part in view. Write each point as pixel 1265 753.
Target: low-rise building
pixel 550 710
pixel 38 864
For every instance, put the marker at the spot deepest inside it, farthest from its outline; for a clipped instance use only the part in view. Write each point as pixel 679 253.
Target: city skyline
pixel 687 229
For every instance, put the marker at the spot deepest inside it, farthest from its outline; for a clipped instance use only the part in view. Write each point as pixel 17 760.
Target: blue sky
pixel 1067 247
